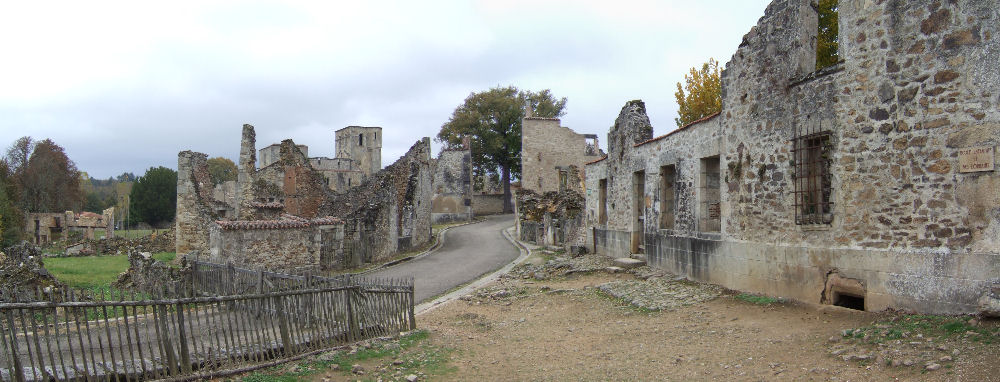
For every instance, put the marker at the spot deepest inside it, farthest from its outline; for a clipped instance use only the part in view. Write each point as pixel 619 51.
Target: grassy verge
pixel 924 325
pixel 755 299
pixel 93 272
pixel 393 360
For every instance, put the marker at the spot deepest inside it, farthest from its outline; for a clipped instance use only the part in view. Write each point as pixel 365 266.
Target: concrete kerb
pixel 482 281
pixel 437 244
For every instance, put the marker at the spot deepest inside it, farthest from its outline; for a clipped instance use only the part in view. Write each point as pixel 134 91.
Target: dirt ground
pixel 566 330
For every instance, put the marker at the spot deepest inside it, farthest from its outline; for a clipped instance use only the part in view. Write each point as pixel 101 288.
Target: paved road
pixel 468 252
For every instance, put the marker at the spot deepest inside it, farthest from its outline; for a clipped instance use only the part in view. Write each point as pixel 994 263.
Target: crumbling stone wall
pixel 164 241
pixel 391 209
pixel 546 147
pixel 194 202
pixel 915 87
pixel 145 273
pixel 552 218
pixel 452 200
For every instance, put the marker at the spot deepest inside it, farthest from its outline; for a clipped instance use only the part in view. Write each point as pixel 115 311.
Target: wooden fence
pixel 224 319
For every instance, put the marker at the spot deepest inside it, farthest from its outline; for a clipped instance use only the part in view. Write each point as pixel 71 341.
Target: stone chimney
pixel 247 172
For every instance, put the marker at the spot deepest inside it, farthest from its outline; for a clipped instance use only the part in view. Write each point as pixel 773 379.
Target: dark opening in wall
pixel 827 34
pixel 849 301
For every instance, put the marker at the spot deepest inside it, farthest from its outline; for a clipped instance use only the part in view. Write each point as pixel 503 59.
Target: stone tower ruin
pixel 363 144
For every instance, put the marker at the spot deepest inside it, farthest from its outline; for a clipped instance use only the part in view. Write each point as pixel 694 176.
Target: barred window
pixel 813 152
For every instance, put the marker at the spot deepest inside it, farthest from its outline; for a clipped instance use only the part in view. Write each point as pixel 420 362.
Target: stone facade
pixel 547 151
pixel 43 227
pixel 452 200
pixel 840 185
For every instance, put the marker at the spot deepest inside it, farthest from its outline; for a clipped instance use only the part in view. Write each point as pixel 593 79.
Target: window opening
pixel 813 151
pixel 602 211
pixel 361 139
pixel 667 180
pixel 638 211
pixel 710 216
pixel 827 33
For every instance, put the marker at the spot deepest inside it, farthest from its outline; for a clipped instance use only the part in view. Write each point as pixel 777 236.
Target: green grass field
pixel 92 272
pixel 131 233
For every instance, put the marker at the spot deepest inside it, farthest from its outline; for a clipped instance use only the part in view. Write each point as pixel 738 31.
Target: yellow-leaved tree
pixel 701 94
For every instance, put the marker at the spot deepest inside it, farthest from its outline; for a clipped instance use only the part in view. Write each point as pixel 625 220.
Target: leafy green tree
pixel 221 170
pixel 11 217
pixel 701 94
pixel 49 181
pixel 492 121
pixel 828 34
pixel 154 197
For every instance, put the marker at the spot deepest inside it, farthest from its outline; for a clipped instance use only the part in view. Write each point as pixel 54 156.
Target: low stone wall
pixel 487 204
pixel 939 283
pixel 289 249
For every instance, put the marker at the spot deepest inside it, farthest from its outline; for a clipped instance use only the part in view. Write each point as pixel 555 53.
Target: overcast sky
pixel 124 86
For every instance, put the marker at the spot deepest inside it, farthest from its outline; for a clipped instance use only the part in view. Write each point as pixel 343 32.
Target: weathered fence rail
pixel 223 318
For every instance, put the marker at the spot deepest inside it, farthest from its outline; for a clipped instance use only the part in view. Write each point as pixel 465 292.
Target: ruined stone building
pixel 868 184
pixel 288 217
pixel 550 201
pixel 550 153
pixel 43 227
pixel 358 156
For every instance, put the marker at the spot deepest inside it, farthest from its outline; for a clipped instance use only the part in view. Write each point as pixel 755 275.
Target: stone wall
pixel 287 244
pixel 916 85
pixel 487 204
pixel 452 200
pixel 547 148
pixel 194 202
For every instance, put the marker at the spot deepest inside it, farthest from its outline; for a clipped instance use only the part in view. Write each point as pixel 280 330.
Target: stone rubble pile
pixel 22 271
pixel 560 266
pixel 911 342
pixel 660 293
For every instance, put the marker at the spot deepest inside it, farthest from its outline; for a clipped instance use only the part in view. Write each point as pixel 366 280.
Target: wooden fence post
pixel 168 347
pixel 17 371
pixel 413 316
pixel 352 321
pixel 182 340
pixel 286 340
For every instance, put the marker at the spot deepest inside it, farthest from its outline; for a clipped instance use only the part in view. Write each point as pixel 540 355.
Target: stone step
pixel 638 256
pixel 629 263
